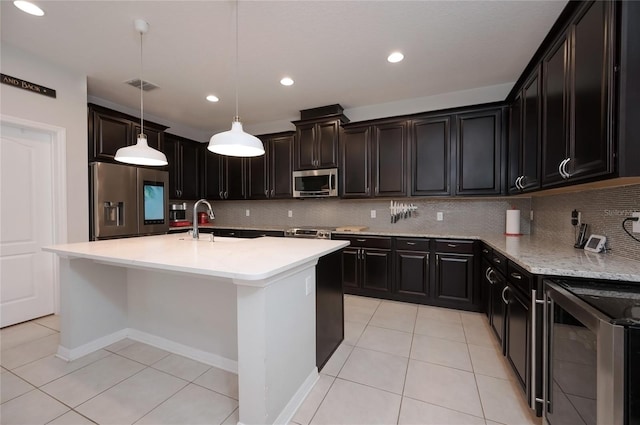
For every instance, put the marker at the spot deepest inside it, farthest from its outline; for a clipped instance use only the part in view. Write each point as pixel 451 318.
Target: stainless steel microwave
pixel 322 183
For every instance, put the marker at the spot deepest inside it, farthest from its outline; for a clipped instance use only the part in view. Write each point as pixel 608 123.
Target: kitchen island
pixel 243 305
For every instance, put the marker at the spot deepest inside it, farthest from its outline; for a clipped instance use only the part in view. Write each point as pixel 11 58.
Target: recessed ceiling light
pixel 286 81
pixel 28 7
pixel 395 57
pixel 212 98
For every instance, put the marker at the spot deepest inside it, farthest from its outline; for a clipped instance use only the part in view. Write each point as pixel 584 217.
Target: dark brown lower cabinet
pixel 455 273
pixel 413 269
pixel 367 265
pixel 518 335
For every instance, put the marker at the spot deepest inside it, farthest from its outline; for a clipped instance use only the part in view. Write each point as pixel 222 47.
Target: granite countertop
pixel 234 258
pixel 544 257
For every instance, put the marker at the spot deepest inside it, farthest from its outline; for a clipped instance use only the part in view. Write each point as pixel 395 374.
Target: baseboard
pixel 295 402
pixel 185 351
pixel 88 348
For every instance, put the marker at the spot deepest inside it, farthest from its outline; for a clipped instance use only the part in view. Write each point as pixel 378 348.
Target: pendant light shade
pixel 141 153
pixel 236 142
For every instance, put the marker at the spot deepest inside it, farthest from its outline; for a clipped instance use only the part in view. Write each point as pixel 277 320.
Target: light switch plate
pixel 247 213
pixel 290 214
pixel 373 213
pixel 439 216
pixel 636 224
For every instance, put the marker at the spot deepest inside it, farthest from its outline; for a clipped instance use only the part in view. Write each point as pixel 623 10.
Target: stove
pixel 310 232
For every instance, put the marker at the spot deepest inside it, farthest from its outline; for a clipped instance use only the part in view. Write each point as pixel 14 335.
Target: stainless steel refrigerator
pixel 127 201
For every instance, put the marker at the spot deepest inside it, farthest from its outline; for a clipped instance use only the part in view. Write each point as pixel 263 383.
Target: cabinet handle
pixel 411 243
pixel 221 195
pixel 497 260
pixel 486 274
pixel 516 276
pixel 272 192
pixel 523 180
pixel 564 168
pixel 452 245
pixel 226 195
pixel 560 168
pixel 266 193
pixel 492 274
pixel 503 295
pixel 485 251
pixel 518 183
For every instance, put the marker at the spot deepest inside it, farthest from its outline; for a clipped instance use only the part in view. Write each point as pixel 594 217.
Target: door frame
pixel 58 185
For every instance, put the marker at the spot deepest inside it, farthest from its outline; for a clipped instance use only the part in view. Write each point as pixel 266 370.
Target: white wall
pixel 67 110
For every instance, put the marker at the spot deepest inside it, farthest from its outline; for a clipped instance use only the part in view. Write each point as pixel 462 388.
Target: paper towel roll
pixel 513 222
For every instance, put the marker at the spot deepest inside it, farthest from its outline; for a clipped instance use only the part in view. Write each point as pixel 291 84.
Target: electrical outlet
pixel 290 214
pixel 247 213
pixel 439 216
pixel 636 224
pixel 373 213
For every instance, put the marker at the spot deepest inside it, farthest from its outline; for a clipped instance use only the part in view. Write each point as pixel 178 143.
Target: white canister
pixel 513 223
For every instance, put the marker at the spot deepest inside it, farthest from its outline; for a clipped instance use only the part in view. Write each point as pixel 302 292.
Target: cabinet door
pixel 280 161
pixel 498 308
pixel 530 150
pixel 257 174
pixel 430 162
pixel 305 146
pixel 412 273
pixel 328 134
pixel 479 151
pixel 389 160
pixel 350 267
pixel 518 335
pixel 234 182
pixel 515 143
pixel 110 133
pixel 213 168
pixel 376 269
pixel 591 137
pixel 554 109
pixel 454 278
pixel 172 153
pixel 190 167
pixel 355 163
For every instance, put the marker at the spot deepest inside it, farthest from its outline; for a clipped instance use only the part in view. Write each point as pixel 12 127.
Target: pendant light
pixel 236 142
pixel 141 153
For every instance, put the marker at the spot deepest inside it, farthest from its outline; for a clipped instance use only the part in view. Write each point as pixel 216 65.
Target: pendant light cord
pixel 141 91
pixel 237 117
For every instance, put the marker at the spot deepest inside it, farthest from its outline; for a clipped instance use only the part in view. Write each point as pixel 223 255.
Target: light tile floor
pixel 399 364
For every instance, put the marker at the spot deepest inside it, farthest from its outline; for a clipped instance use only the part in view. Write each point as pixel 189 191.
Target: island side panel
pixel 276 346
pixel 93 306
pixel 198 313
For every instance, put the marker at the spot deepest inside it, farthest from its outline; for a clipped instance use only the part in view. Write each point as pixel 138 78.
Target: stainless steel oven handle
pixel 548 349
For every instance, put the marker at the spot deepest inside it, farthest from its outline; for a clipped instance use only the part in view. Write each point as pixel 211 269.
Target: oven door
pixel 583 362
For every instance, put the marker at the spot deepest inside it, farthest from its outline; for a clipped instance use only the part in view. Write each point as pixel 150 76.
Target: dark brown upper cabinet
pixel 577 121
pixel 430 156
pixel 224 177
pixel 269 176
pixel 479 152
pixel 374 160
pixel 316 143
pixel 185 166
pixel 524 137
pixel 110 130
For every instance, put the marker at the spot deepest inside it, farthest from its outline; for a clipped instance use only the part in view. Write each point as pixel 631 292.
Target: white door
pixel 26 225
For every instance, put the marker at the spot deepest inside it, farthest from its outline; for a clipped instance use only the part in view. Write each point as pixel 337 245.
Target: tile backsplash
pixel 602 209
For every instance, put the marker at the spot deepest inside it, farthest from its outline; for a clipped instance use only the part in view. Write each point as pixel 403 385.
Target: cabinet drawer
pixel 499 261
pixel 454 246
pixel 519 278
pixel 407 244
pixel 366 241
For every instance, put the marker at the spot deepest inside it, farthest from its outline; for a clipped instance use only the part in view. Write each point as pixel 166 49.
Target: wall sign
pixel 26 85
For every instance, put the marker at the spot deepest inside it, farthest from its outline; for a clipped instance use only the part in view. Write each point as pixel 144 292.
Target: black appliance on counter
pixel 592 352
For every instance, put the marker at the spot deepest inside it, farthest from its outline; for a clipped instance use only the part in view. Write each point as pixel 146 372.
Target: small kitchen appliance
pixel 177 212
pixel 322 183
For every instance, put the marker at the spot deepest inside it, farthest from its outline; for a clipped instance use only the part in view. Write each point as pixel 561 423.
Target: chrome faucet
pixel 196 232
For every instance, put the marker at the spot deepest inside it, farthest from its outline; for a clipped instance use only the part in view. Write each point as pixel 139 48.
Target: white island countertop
pixel 233 258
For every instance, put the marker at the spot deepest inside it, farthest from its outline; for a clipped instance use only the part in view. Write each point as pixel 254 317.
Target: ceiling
pixel 334 50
